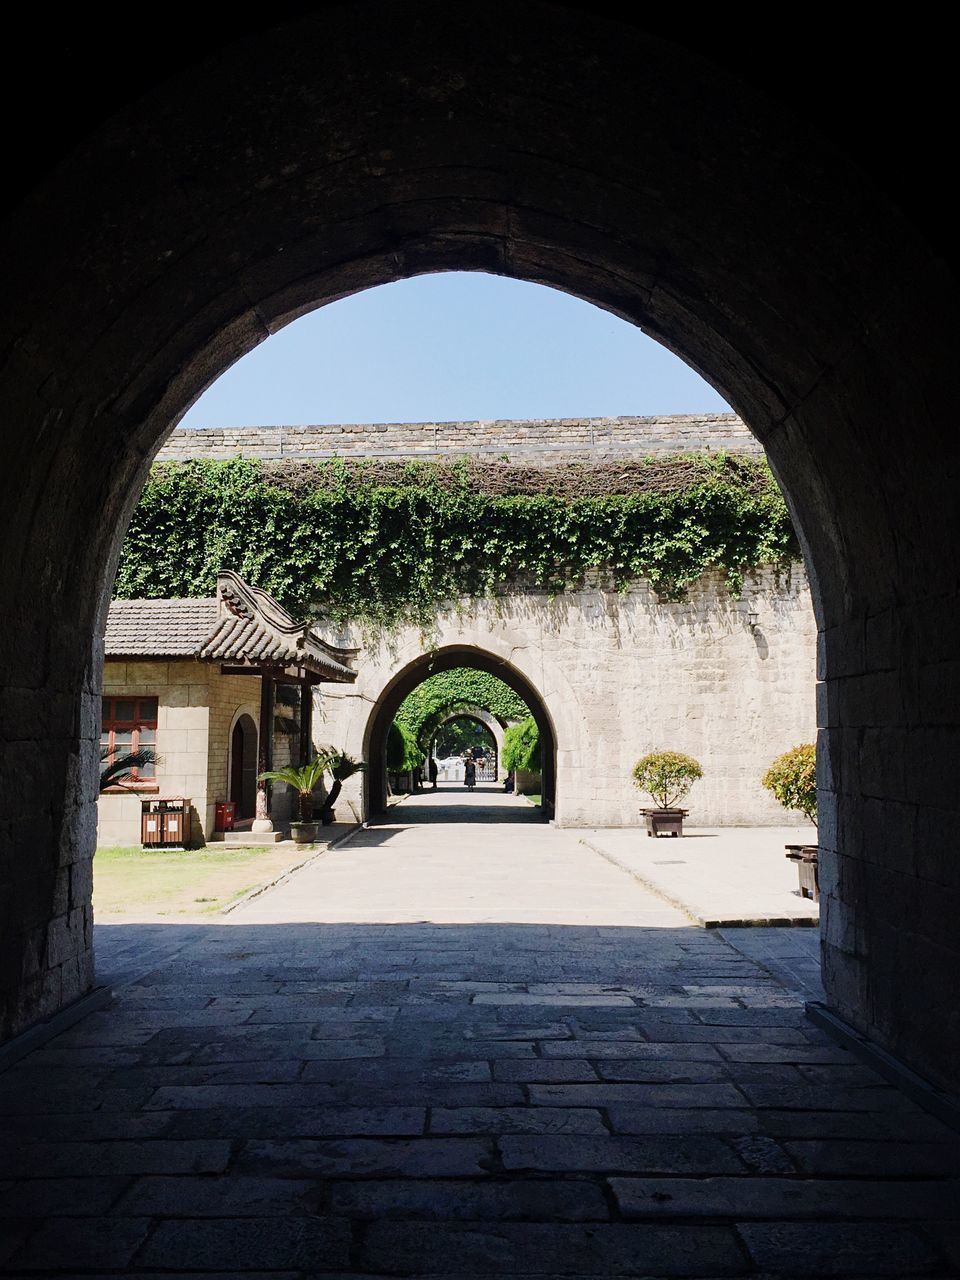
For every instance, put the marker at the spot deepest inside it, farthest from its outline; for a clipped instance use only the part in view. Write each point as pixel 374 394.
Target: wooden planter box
pixel 805 856
pixel 664 822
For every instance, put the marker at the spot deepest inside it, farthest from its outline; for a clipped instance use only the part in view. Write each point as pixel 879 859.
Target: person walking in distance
pixel 470 774
pixel 433 771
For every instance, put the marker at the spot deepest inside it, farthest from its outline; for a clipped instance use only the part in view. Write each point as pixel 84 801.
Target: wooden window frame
pixel 111 723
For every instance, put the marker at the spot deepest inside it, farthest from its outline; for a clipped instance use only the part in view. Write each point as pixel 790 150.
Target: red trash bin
pixel 226 811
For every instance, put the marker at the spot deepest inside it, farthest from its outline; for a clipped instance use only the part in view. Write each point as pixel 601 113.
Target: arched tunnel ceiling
pixel 699 188
pixel 883 92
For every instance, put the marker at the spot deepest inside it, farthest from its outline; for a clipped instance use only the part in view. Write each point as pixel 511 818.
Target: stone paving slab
pixel 329 1121
pixel 575 1200
pixel 216 1122
pixel 784 1198
pixel 616 1154
pixel 58 1245
pixel 718 875
pixel 836 1249
pixel 244 1243
pixel 534 1248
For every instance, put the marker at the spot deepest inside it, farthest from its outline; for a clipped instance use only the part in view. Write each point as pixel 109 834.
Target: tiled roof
pixel 253 628
pixel 242 626
pixel 158 628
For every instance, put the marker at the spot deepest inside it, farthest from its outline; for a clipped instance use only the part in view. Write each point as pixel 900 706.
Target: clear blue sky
pixel 452 347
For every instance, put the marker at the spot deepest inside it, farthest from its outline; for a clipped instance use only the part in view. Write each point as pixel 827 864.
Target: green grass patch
pixel 179 882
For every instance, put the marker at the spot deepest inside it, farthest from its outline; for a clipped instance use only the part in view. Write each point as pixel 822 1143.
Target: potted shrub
pixel 792 778
pixel 340 766
pixel 666 776
pixel 303 778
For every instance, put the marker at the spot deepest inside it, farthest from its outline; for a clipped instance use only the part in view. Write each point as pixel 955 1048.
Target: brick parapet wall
pixel 546 439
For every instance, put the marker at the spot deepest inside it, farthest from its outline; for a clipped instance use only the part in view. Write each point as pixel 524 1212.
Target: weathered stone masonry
pixel 624 674
pixel 548 440
pixel 144 251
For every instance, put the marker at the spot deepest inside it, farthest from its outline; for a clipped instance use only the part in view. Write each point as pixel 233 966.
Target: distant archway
pixel 428 664
pixel 491 726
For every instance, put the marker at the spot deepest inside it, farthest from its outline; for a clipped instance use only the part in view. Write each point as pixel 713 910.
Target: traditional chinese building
pixel 198 680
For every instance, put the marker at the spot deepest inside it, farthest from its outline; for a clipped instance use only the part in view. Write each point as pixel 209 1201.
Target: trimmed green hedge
pixel 403 754
pixel 792 778
pixel 521 746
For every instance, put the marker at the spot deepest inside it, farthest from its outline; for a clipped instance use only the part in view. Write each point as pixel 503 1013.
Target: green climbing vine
pixel 385 542
pixel 426 706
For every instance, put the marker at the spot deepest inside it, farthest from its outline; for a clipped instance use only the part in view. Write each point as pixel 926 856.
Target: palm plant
pixel 115 772
pixel 341 767
pixel 303 779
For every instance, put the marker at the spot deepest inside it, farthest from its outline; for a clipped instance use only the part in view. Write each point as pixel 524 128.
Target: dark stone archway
pixel 382 715
pixel 172 223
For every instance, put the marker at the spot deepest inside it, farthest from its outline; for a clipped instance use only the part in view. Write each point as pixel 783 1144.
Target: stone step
pixel 237 839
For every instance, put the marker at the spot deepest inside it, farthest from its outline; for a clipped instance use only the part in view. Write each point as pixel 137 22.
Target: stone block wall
pixel 890 899
pixel 547 440
pixel 182 690
pixel 197 708
pixel 624 674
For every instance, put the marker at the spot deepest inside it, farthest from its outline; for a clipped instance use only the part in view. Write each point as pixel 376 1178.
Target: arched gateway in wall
pixel 413 673
pixel 491 726
pixel 143 251
pixel 619 674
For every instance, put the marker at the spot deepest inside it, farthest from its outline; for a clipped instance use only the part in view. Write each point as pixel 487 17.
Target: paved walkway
pixel 717 875
pixel 452 856
pixel 572 1083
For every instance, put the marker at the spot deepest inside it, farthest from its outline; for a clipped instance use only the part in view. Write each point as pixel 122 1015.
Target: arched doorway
pixel 383 713
pixel 684 199
pixel 243 766
pixel 490 735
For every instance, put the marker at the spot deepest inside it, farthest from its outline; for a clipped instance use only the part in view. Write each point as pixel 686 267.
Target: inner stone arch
pixel 413 674
pixel 483 717
pixel 490 723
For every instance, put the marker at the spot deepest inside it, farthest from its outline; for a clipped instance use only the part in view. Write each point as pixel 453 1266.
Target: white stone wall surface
pixel 624 674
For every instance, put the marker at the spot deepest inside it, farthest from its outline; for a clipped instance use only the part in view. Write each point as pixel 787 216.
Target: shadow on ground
pixel 457 804
pixel 459 1100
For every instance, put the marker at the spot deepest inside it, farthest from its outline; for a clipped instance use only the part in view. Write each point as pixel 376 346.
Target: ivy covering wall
pixel 383 542
pixel 425 708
